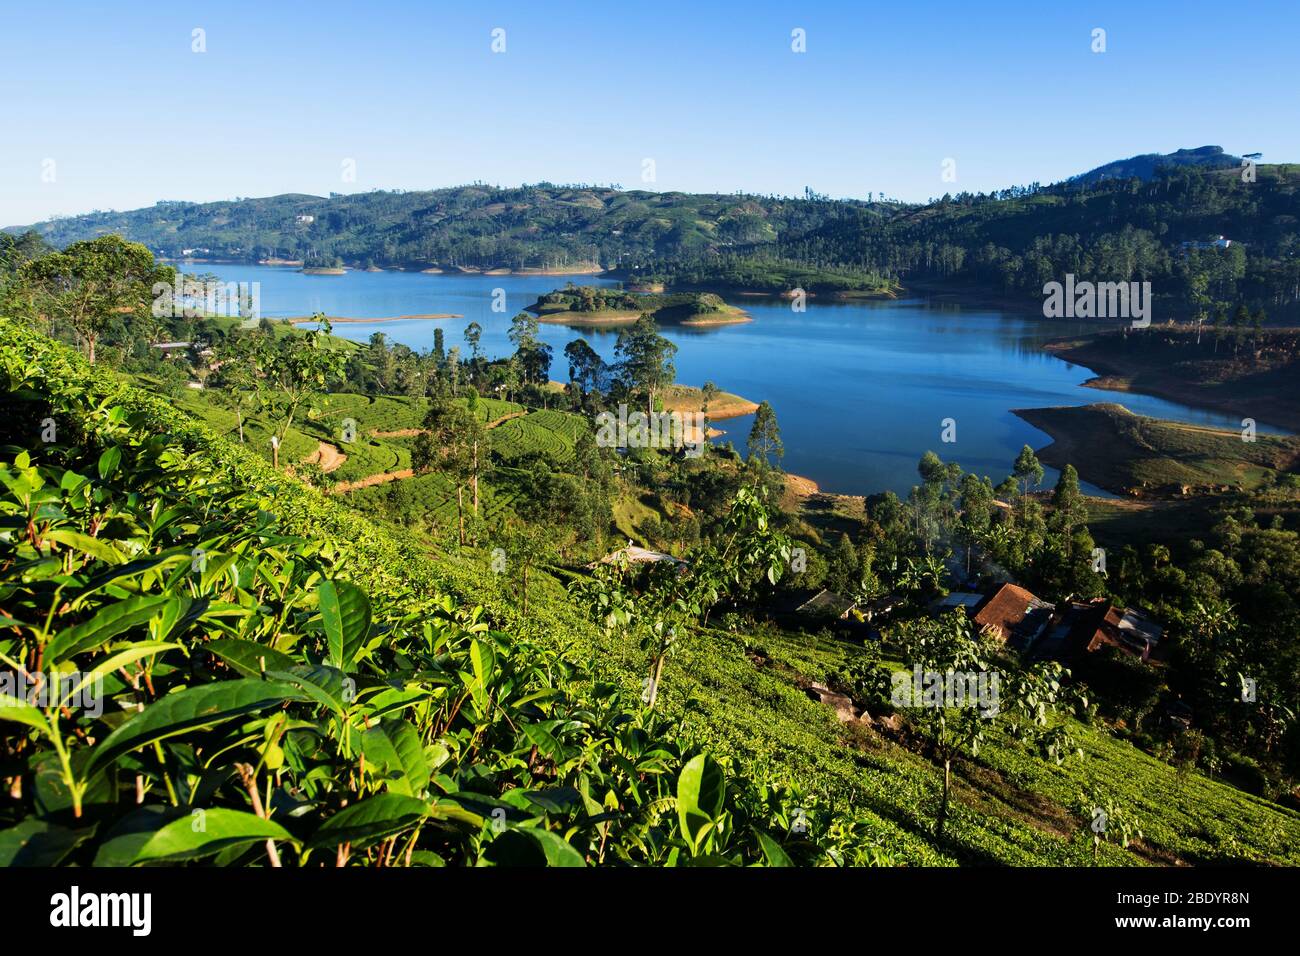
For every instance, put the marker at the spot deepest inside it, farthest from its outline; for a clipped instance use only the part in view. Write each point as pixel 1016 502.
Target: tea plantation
pixel 285 682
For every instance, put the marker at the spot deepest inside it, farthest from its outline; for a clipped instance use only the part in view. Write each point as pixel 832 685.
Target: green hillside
pixel 537 227
pixel 465 708
pixel 1142 220
pixel 1123 452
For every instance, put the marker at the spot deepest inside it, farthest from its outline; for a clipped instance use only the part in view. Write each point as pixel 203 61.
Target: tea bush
pixel 240 671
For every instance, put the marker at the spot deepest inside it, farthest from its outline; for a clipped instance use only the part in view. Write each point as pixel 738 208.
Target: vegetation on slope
pixel 1010 241
pixel 732 682
pixel 1123 452
pixel 590 305
pixel 1231 365
pixel 245 673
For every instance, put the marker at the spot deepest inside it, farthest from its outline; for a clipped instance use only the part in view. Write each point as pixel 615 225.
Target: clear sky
pixel 413 94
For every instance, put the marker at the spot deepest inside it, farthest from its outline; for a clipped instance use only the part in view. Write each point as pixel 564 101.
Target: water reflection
pixel 860 388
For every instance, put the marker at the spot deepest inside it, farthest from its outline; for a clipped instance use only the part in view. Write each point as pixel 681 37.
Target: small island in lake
pixel 324 267
pixel 590 306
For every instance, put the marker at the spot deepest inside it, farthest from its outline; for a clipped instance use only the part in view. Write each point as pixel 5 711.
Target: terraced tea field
pixel 550 433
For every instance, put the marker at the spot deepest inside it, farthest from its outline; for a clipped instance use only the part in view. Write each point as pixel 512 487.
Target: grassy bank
pixel 1132 454
pixel 1239 372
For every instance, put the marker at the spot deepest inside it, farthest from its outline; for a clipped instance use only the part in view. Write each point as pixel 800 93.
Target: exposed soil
pixel 327 456
pixel 370 480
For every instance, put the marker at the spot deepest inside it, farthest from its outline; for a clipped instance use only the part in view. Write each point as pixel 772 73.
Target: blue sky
pixel 414 95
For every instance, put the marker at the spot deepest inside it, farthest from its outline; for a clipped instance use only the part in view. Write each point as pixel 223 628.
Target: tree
pixel 478 462
pixel 707 394
pixel 587 369
pixel 292 368
pixel 976 511
pixel 1106 819
pixel 1240 319
pixel 1027 471
pixel 646 359
pixel 473 337
pixel 453 370
pixel 673 596
pixel 845 571
pixel 947 654
pixel 93 284
pixel 533 355
pixel 238 385
pixel 526 546
pixel 447 444
pixel 934 501
pixel 1069 510
pixel 765 437
pixel 944 647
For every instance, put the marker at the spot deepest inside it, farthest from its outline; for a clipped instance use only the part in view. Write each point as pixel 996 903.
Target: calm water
pixel 860 389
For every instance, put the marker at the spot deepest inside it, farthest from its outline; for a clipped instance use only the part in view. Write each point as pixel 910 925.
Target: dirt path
pixel 327 456
pixel 505 418
pixel 801 492
pixel 412 432
pixel 379 479
pixel 386 476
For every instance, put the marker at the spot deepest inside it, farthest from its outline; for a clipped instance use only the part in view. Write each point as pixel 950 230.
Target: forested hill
pixel 477 227
pixel 1148 165
pixel 1158 223
pixel 1162 231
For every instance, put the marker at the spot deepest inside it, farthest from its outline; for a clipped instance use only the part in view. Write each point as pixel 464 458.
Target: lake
pixel 860 389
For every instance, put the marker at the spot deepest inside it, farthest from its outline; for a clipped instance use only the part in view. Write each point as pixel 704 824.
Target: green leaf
pixel 123 841
pixel 325 685
pixel 189 709
pixel 36 843
pixel 19 711
pixel 482 660
pixel 395 753
pixel 531 846
pixel 368 821
pixel 345 614
pixel 772 851
pixel 133 568
pixel 108 623
pixel 100 550
pixel 109 460
pixel 132 652
pixel 205 832
pixel 545 742
pixel 249 657
pixel 701 790
pixel 559 852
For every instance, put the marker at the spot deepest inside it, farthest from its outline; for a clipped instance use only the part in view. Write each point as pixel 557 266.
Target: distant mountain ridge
pixel 1145 166
pixel 541 227
pixel 1135 219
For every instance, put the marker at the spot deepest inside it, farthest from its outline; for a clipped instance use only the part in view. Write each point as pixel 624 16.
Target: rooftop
pixel 637 555
pixel 1014 614
pixel 827 602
